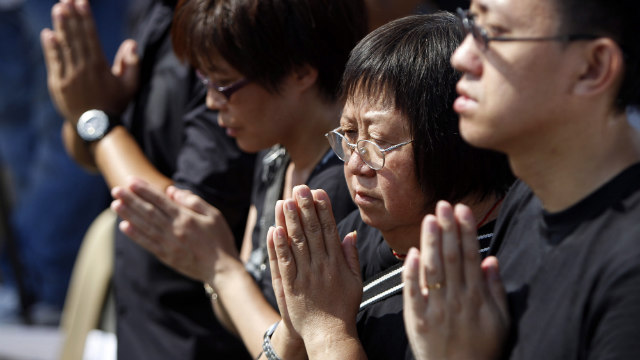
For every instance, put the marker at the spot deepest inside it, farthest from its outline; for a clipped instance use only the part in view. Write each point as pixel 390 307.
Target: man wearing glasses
pixel 547 82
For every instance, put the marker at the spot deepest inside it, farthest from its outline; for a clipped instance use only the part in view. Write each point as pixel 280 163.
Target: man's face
pixel 511 92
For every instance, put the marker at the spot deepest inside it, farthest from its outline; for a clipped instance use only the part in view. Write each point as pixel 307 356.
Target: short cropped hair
pixel 267 39
pixel 405 65
pixel 618 19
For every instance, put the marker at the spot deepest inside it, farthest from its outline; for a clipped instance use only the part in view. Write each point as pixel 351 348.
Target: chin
pixel 373 220
pixel 250 146
pixel 476 136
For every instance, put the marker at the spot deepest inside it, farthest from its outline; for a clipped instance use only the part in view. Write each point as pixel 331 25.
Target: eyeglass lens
pixel 369 152
pixel 470 26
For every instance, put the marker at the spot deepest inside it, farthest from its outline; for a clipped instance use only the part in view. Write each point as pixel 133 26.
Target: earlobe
pixel 602 68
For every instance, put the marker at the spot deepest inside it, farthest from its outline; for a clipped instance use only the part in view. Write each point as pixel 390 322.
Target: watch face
pixel 93 125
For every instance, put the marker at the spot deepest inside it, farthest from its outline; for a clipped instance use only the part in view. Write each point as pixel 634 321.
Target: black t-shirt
pixel 573 277
pixel 327 175
pixel 380 323
pixel 161 314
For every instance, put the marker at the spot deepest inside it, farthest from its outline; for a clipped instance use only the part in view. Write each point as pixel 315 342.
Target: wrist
pixel 287 343
pixel 332 341
pixel 226 272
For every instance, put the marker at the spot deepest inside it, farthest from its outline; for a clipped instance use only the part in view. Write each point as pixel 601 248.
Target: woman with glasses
pixel 272 69
pixel 398 138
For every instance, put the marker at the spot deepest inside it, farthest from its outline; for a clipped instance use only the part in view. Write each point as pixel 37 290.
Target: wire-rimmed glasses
pixel 481 35
pixel 370 153
pixel 226 91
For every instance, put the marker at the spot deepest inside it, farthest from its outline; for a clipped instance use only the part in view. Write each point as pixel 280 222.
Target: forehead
pixel 517 13
pixel 374 116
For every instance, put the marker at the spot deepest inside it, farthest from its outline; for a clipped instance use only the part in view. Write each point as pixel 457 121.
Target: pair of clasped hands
pixel 454 306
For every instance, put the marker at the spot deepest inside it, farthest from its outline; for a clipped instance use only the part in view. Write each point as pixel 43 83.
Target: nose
pixel 215 100
pixel 357 166
pixel 466 58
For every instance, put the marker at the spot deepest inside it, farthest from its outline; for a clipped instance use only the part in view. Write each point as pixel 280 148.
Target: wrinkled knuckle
pixel 297 240
pixel 148 210
pixel 313 227
pixel 180 232
pixel 188 222
pixel 191 200
pixel 323 204
pixel 328 227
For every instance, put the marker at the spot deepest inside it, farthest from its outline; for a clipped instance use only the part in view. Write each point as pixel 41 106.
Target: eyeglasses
pixel 480 34
pixel 228 90
pixel 370 152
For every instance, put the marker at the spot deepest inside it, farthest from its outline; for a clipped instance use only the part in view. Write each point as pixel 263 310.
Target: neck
pixel 306 143
pixel 569 165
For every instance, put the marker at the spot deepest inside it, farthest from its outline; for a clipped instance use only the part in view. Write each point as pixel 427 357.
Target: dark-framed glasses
pixel 370 153
pixel 481 35
pixel 227 90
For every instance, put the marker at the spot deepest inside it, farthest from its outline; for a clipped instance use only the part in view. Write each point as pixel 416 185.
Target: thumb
pixel 126 65
pixel 350 251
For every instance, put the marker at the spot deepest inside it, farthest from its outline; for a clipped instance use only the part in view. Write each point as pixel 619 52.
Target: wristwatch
pixel 93 125
pixel 266 343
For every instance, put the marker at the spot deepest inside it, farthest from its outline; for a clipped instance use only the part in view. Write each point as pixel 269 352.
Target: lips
pixel 464 102
pixel 230 131
pixel 363 198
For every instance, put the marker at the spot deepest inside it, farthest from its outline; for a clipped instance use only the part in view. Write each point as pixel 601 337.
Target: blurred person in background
pixel 146 116
pixel 52 200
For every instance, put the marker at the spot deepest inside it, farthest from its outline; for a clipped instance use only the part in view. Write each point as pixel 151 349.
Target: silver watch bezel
pixel 89 131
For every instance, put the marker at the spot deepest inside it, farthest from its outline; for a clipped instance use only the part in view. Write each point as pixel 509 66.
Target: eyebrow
pixel 369 117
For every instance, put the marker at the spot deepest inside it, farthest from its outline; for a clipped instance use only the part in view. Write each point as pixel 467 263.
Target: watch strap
pixel 267 348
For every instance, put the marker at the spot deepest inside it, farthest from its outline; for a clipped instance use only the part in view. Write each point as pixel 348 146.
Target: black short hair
pixel 405 65
pixel 618 19
pixel 267 39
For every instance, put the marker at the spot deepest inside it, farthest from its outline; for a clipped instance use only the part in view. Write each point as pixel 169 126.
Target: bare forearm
pixel 245 306
pixel 119 156
pixel 77 148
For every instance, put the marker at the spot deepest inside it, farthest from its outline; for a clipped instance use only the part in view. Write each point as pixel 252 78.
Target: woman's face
pixel 255 117
pixel 389 198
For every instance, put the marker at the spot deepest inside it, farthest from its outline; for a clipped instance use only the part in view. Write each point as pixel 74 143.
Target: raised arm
pixel 80 79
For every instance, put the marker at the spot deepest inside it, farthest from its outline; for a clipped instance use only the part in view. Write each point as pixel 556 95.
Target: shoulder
pixel 520 199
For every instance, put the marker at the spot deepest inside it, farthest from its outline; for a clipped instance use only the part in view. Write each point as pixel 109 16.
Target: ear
pixel 304 77
pixel 602 70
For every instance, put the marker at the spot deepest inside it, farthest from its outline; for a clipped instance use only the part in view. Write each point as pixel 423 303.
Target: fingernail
pixel 280 233
pixel 304 192
pixel 290 205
